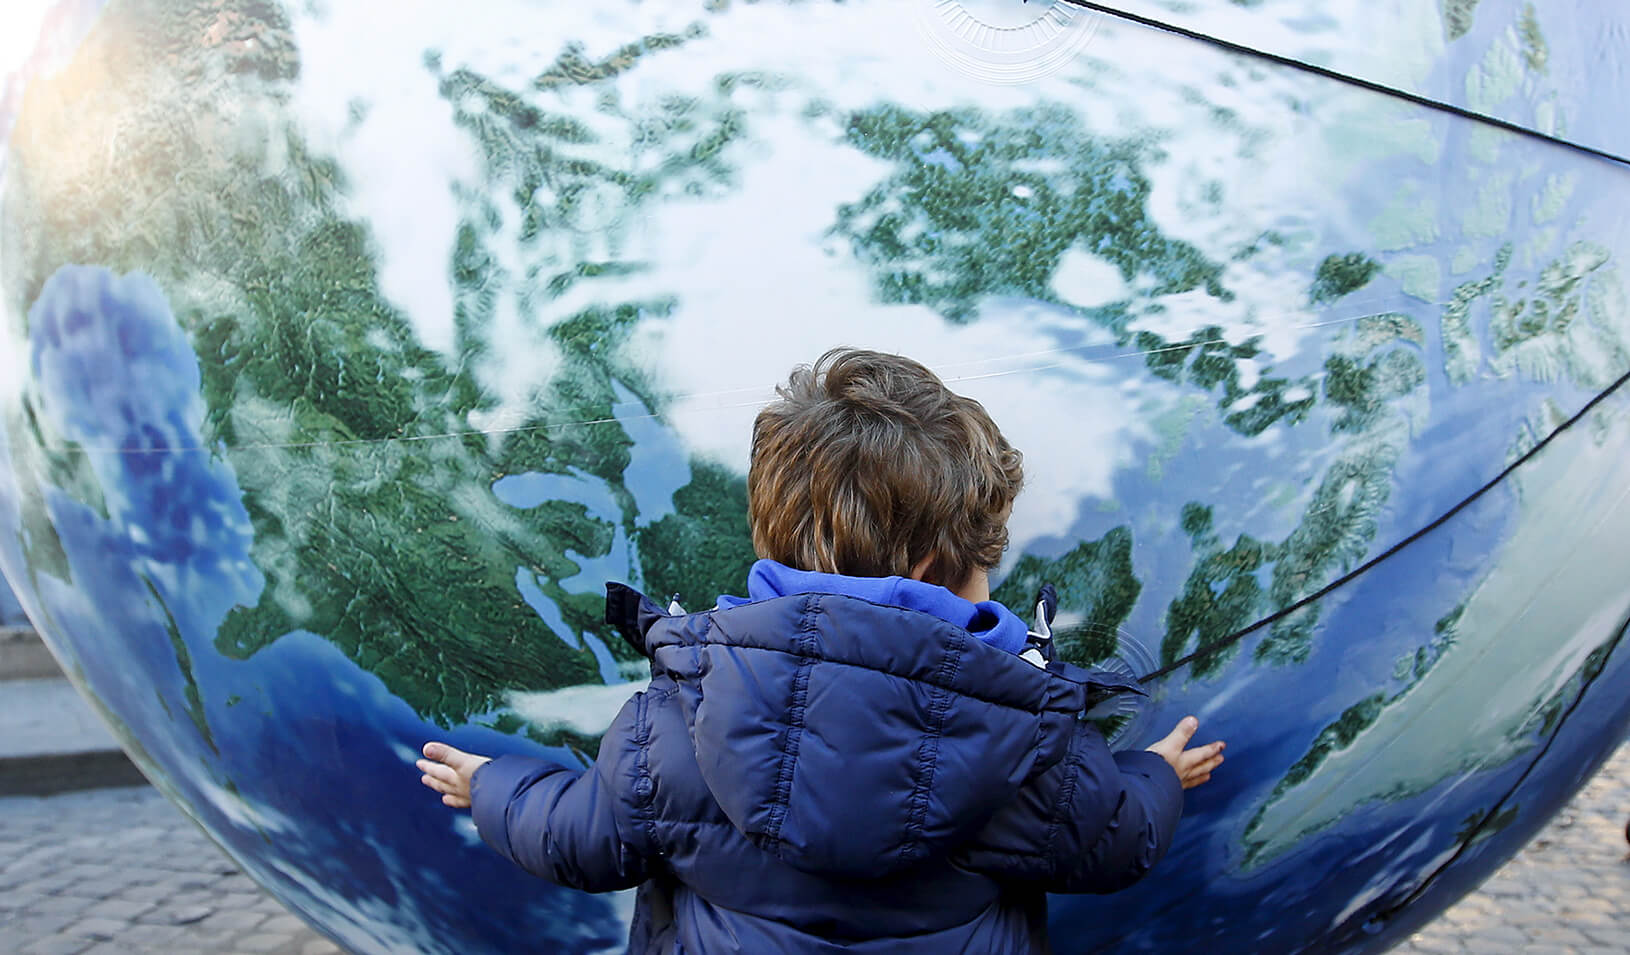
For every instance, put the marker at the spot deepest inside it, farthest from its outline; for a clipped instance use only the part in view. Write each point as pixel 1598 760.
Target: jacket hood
pixel 855 738
pixel 987 620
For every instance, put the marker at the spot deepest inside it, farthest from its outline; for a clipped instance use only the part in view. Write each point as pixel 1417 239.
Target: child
pixel 856 756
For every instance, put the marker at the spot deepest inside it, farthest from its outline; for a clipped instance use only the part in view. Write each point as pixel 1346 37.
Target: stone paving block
pixel 82 871
pixel 49 904
pixel 55 945
pixel 286 924
pixel 214 942
pixel 1603 906
pixel 172 914
pixel 1616 937
pixel 96 929
pixel 39 925
pixel 1432 945
pixel 228 920
pixel 92 888
pixel 1481 906
pixel 151 937
pixel 97 888
pixel 320 946
pixel 1495 937
pixel 108 948
pixel 1557 934
pixel 262 942
pixel 53 882
pixel 120 909
pixel 1533 913
pixel 41 859
pixel 147 892
pixel 1587 918
pixel 1547 949
pixel 193 896
pixel 19 899
pixel 233 901
pixel 136 834
pixel 1462 921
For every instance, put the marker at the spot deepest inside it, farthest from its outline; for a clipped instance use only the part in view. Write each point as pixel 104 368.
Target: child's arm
pixel 570 826
pixel 1095 821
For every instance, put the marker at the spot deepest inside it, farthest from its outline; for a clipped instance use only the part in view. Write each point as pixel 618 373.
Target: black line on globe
pixel 1493 811
pixel 1324 591
pixel 1371 85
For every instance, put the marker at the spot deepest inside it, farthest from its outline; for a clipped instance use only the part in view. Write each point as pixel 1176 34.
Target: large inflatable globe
pixel 350 348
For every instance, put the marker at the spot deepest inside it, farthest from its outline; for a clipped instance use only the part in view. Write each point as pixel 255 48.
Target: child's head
pixel 868 465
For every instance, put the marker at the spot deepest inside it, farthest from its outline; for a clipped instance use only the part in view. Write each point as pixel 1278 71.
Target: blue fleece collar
pixel 987 620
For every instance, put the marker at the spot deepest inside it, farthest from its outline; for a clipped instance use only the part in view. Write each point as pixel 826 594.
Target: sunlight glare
pixel 19 31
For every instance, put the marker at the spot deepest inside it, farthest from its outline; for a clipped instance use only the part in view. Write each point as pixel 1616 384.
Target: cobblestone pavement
pixel 122 871
pixel 1568 891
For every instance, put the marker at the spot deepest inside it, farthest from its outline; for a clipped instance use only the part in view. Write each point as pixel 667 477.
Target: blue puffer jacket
pixel 821 773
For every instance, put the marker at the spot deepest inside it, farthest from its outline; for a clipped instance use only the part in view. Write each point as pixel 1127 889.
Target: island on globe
pixel 347 350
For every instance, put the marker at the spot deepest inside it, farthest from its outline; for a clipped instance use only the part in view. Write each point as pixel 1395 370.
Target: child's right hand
pixel 448 771
pixel 1193 766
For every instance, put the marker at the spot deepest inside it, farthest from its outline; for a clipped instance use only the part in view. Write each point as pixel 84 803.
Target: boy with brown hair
pixel 866 753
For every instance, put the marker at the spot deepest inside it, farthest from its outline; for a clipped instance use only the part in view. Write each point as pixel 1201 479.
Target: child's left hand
pixel 448 771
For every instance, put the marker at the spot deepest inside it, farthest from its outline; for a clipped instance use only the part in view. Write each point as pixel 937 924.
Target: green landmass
pixel 1096 592
pixel 363 473
pixel 1561 328
pixel 985 205
pixel 1457 17
pixel 1557 326
pixel 1371 372
pixel 1481 824
pixel 705 547
pixel 1362 390
pixel 1173 427
pixel 1408 671
pixel 183 659
pixel 982 205
pixel 1462 352
pixel 1334 534
pixel 573 68
pixel 1373 331
pixel 34 470
pixel 1207 361
pixel 1547 717
pixel 1221 596
pixel 1341 275
pixel 1338 735
pixel 1535 51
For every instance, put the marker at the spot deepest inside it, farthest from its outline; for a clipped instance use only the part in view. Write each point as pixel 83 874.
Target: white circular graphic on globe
pixel 1006 41
pixel 1130 660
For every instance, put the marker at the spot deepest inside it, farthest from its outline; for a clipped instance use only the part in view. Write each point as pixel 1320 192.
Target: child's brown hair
pixel 867 465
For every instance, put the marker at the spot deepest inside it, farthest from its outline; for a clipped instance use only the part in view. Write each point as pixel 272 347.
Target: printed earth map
pixel 349 351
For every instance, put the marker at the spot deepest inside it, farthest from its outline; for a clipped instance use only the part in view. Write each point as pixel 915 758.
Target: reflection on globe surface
pixel 351 349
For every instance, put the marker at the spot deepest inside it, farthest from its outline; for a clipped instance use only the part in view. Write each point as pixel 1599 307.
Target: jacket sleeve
pixel 574 827
pixel 1094 822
